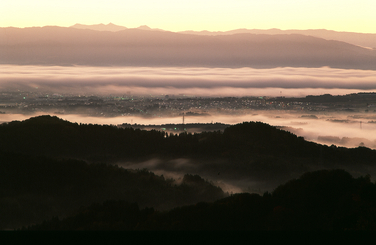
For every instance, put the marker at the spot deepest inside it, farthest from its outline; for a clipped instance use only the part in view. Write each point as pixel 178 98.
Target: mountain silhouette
pixel 100 27
pixel 317 201
pixel 139 47
pixel 360 39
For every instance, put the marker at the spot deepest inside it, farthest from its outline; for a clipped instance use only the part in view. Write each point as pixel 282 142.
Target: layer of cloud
pixel 189 81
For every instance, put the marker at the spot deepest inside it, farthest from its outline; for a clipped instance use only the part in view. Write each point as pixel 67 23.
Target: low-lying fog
pixel 342 129
pixel 235 177
pixel 195 81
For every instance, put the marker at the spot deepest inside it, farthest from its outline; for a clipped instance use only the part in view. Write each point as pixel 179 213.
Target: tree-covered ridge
pixel 320 200
pixel 51 136
pixel 47 135
pixel 37 181
pixel 36 188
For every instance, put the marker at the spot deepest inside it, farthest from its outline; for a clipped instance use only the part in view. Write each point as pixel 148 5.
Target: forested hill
pixel 38 178
pixel 51 136
pixel 320 200
pixel 33 188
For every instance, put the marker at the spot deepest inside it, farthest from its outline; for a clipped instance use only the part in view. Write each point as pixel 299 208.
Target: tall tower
pixel 183 117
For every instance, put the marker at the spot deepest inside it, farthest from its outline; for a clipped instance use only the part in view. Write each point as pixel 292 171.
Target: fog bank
pixel 289 82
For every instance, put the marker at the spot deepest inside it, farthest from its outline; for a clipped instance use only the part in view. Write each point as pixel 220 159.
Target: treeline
pixel 51 136
pixel 353 98
pixel 34 188
pixel 44 171
pixel 320 200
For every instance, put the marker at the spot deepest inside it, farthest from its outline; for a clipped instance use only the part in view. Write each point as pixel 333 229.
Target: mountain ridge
pixel 100 27
pixel 356 38
pixel 111 27
pixel 138 47
pixel 361 39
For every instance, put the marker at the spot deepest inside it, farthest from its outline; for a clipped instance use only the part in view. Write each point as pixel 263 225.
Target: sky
pixel 212 15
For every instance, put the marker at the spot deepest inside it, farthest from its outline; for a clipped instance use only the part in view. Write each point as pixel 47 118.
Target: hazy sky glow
pixel 218 15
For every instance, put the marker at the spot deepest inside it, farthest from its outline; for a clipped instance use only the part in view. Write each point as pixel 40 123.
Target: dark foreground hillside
pixel 44 170
pixel 51 136
pixel 33 189
pixel 321 200
pixel 250 155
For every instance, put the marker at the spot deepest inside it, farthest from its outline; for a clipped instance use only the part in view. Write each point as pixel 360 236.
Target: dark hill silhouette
pixel 321 200
pixel 250 153
pixel 250 150
pixel 52 136
pixel 139 47
pixel 36 188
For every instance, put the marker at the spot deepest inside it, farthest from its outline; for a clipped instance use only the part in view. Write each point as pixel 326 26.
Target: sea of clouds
pixel 198 81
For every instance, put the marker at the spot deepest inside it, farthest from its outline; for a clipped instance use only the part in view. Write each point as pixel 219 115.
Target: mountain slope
pixel 37 188
pixel 52 136
pixel 359 39
pixel 320 200
pixel 252 151
pixel 137 47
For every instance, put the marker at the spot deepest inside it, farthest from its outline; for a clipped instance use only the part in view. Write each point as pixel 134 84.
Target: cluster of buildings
pixel 166 105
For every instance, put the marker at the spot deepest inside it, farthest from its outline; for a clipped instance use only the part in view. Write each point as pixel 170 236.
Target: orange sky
pixel 219 15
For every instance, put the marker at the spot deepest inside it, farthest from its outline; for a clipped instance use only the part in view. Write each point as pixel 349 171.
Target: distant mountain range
pixel 109 45
pixel 367 40
pixel 111 27
pixel 360 39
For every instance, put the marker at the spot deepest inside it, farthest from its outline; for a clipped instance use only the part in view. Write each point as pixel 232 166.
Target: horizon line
pixel 190 30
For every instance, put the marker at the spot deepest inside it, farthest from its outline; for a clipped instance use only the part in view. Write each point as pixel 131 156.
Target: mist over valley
pixel 108 127
pixel 343 120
